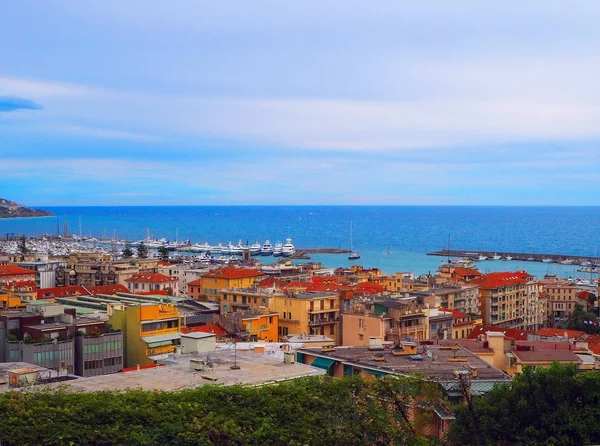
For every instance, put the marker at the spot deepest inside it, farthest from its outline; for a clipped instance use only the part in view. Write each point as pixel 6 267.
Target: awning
pixel 159 338
pixel 322 363
pixel 159 344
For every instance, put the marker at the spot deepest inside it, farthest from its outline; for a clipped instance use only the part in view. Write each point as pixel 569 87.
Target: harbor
pixel 587 263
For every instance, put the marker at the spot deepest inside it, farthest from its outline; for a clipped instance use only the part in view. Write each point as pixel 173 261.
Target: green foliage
pixel 142 251
pixel 12 338
pixel 579 317
pixel 127 251
pixel 306 411
pixel 23 249
pixel 163 253
pixel 553 405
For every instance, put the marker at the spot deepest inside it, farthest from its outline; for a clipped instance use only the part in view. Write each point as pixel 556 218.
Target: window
pixel 360 337
pixel 332 329
pixel 361 323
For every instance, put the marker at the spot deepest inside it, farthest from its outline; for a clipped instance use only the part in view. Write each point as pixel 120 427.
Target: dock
pixel 564 259
pixel 303 253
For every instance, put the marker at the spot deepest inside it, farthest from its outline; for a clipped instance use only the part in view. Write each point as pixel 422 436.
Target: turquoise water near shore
pixel 409 232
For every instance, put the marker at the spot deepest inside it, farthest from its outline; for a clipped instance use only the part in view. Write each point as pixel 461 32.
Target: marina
pixel 587 263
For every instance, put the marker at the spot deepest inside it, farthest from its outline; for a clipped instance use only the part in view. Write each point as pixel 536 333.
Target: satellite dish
pixel 429 354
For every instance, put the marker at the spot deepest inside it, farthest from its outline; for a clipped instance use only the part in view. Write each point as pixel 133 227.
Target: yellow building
pixel 308 313
pixel 10 301
pixel 149 329
pixel 211 284
pixel 360 326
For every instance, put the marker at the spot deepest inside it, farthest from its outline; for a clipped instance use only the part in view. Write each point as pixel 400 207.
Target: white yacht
pixel 547 260
pixel 508 258
pixel 219 249
pixel 237 249
pixel 288 249
pixel 567 262
pixel 496 257
pixel 255 249
pixel 267 249
pixel 481 258
pixel 277 250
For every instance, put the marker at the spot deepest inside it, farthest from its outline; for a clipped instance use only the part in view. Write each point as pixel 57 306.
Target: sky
pixel 300 102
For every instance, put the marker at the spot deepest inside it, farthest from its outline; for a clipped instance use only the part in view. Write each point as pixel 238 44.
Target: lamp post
pixel 235 366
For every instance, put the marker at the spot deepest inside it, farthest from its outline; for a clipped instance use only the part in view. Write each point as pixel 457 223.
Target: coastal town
pixel 138 317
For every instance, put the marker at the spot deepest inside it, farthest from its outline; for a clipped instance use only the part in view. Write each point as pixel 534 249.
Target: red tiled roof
pixel 466 272
pixel 339 280
pixel 211 328
pixel 152 278
pixel 21 283
pixel 163 263
pixel 107 289
pixel 229 272
pixel 270 282
pixel 197 282
pixel 11 270
pixel 62 291
pixel 502 279
pixel 295 285
pixel 583 295
pixel 369 288
pixel 519 335
pixel 560 332
pixel 460 324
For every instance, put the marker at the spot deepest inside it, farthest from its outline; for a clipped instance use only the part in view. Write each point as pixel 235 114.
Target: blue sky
pixel 311 102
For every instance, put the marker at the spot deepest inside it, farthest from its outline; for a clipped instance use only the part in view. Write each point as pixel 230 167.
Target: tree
pixel 581 319
pixel 163 253
pixel 552 405
pixel 23 249
pixel 127 251
pixel 142 251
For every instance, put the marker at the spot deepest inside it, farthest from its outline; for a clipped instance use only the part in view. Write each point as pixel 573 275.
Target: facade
pixel 561 297
pixel 359 327
pixel 99 354
pixel 439 323
pixel 511 300
pixel 252 326
pixel 17 278
pixel 142 283
pixel 184 275
pixel 308 313
pixel 212 283
pixel 45 272
pixel 254 299
pixel 148 330
pixel 460 298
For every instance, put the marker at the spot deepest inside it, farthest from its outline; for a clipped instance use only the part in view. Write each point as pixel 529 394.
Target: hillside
pixel 10 209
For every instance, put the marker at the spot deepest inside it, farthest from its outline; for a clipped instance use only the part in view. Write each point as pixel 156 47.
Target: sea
pixel 392 238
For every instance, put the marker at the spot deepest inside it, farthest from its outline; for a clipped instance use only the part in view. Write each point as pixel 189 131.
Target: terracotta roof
pixel 21 283
pixel 62 291
pixel 546 356
pixel 514 333
pixel 270 282
pixel 197 282
pixel 498 280
pixel 11 270
pixel 152 278
pixel 107 289
pixel 455 314
pixel 163 263
pixel 369 288
pixel 340 280
pixel 560 332
pixel 466 272
pixel 233 273
pixel 460 324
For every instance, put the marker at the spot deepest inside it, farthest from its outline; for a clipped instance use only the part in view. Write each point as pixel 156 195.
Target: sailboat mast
pixel 351 248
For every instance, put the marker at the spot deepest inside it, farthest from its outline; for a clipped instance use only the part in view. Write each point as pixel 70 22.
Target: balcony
pixel 325 310
pixel 323 321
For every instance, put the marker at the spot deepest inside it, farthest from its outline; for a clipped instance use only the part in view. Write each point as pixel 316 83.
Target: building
pixel 254 299
pixel 461 298
pixel 210 285
pixel 47 335
pixel 17 278
pixel 440 323
pixel 252 326
pixel 454 371
pixel 359 327
pixel 45 271
pixel 308 313
pixel 152 282
pixel 148 329
pixel 183 273
pixel 561 297
pixel 510 299
pixel 98 354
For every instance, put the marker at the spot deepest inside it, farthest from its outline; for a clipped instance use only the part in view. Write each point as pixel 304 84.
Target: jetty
pixel 525 256
pixel 303 253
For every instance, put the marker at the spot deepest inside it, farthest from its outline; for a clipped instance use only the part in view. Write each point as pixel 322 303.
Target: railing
pixel 324 310
pixel 323 321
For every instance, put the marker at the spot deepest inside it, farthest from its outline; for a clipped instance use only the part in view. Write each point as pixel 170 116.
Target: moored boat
pixel 267 249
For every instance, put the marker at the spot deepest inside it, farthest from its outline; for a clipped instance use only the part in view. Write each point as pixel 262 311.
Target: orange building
pixel 252 326
pixel 210 285
pixel 148 330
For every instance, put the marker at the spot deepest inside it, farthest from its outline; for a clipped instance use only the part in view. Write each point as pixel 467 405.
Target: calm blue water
pixel 407 231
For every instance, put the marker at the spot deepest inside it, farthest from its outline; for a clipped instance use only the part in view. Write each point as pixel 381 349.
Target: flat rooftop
pixel 434 363
pixel 255 368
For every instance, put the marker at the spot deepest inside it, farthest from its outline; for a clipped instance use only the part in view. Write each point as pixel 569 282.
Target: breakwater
pixel 526 256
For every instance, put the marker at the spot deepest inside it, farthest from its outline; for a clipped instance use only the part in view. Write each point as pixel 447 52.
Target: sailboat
pixel 353 254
